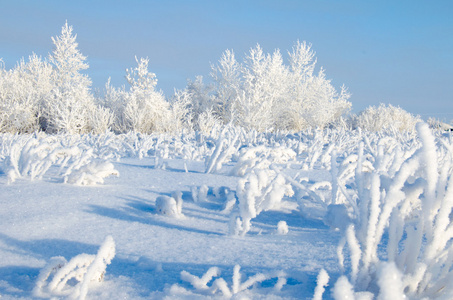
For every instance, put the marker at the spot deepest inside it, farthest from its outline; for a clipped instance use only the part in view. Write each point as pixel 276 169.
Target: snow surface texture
pixel 315 215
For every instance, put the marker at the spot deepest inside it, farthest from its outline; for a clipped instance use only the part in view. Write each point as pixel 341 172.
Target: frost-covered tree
pixel 228 86
pixel 180 111
pixel 22 91
pixel 264 89
pixel 142 108
pixel 70 106
pixel 313 101
pixel 146 109
pixel 114 100
pixel 202 105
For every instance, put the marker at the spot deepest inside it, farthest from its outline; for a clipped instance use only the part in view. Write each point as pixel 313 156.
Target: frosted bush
pixel 229 203
pixel 346 175
pixel 311 197
pixel 145 109
pixel 58 277
pixel 385 117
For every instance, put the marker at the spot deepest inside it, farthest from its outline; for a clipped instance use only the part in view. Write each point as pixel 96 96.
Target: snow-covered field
pixel 150 217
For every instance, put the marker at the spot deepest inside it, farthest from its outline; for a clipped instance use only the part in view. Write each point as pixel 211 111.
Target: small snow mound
pixel 169 206
pixel 282 228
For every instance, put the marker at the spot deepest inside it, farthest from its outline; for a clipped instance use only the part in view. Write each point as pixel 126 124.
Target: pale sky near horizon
pixel 397 52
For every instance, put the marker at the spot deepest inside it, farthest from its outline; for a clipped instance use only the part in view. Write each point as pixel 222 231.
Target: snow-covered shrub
pixel 349 173
pixel 319 150
pixel 170 206
pixel 439 125
pixel 177 195
pixel 262 93
pixel 386 117
pixel 91 173
pixel 227 78
pixel 258 191
pixel 33 157
pixel 221 287
pixel 413 206
pixel 229 203
pixel 313 101
pixel 201 113
pixel 60 278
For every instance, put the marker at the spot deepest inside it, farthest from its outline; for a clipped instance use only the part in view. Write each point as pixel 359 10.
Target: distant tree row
pixel 261 93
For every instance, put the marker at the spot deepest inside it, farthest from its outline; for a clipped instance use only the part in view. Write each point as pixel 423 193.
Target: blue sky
pixel 397 52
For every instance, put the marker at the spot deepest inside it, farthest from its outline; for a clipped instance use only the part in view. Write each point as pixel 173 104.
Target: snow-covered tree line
pixel 261 93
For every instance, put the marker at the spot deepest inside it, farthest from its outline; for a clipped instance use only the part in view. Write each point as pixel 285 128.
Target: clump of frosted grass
pixel 261 157
pixel 258 191
pixel 412 204
pixel 57 278
pixel 220 286
pixel 76 162
pixel 225 146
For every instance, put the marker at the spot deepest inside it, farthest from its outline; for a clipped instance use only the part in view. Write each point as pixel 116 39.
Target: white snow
pixel 47 218
pixel 166 227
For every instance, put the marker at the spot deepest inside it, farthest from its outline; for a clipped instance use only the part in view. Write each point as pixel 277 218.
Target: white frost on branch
pixel 55 279
pixel 220 285
pixel 321 283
